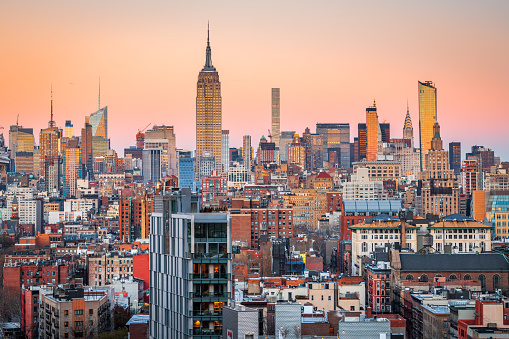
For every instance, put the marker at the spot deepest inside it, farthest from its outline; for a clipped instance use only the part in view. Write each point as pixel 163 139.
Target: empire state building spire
pixel 208 59
pixel 209 112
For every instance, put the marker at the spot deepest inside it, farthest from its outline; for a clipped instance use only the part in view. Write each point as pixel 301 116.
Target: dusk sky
pixel 330 59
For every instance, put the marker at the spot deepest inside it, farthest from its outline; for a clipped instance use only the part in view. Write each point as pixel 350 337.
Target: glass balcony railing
pixel 210 295
pixel 211 255
pixel 207 313
pixel 207 331
pixel 209 276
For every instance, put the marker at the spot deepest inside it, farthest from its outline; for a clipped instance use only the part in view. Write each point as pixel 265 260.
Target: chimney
pixel 368 312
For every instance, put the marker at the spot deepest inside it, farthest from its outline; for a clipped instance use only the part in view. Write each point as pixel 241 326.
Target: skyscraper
pixel 246 152
pixel 68 133
pixel 86 152
pixel 362 140
pixel 335 136
pixel 186 169
pixel 373 133
pixel 440 192
pixel 427 115
pixel 152 166
pixel 225 149
pixel 455 156
pixel 208 111
pixel 99 122
pixel 21 144
pixel 72 168
pixel 385 129
pixel 164 137
pixel 48 156
pixel 276 116
pixel 408 130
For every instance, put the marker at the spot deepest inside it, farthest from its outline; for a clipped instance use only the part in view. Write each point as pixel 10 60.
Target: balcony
pixel 211 257
pixel 207 313
pixel 209 276
pixel 209 296
pixel 207 331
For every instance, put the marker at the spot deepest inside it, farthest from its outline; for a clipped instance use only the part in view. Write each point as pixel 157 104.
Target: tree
pixel 121 316
pixel 5 241
pixel 10 306
pixel 121 333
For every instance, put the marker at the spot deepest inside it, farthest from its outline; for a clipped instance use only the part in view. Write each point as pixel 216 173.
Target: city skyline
pixel 470 80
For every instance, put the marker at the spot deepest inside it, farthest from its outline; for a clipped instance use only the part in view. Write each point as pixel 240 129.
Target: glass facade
pixel 498 214
pixel 427 114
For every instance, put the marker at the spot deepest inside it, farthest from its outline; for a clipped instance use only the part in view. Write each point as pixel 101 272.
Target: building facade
pixel 209 111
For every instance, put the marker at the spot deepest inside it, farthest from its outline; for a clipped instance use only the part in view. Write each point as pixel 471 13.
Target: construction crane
pixel 140 137
pixel 270 135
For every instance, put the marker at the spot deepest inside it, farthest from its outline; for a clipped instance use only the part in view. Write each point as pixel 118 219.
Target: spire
pixel 51 122
pixel 408 130
pixel 374 103
pixel 99 99
pixel 208 59
pixel 436 142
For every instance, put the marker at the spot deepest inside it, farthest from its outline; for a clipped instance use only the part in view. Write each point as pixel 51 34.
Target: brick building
pixel 134 217
pixel 378 288
pixel 248 224
pixel 214 186
pixel 72 312
pixel 34 274
pixel 103 268
pixel 474 271
pixel 30 311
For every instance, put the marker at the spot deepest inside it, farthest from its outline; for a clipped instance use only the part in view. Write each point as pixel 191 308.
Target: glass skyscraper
pixel 427 115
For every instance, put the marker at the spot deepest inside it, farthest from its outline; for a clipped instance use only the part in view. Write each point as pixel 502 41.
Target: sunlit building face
pixel 427 114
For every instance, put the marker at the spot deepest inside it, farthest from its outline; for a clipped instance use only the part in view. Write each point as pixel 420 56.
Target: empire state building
pixel 208 111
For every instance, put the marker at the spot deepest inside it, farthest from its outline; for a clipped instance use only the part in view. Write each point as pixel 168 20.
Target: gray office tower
pixel 190 267
pixel 336 136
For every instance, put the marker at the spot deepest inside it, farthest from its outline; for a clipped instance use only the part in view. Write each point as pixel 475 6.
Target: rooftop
pixel 466 262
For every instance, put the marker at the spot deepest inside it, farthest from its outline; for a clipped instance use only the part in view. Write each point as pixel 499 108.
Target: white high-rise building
pixel 362 188
pixel 225 149
pixel 190 267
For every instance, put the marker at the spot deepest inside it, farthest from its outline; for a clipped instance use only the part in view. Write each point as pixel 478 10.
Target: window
pixel 467 277
pixel 453 277
pixel 482 280
pixel 78 323
pixel 409 277
pixel 496 282
pixel 91 311
pixel 424 278
pixel 66 313
pixel 66 324
pixel 78 312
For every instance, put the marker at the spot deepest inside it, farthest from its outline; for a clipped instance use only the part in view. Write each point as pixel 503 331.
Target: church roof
pixel 466 262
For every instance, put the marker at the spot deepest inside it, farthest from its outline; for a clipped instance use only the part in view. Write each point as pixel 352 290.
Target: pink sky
pixel 330 59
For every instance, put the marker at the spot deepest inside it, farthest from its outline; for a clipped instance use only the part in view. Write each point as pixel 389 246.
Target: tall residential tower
pixel 373 133
pixel 276 116
pixel 208 111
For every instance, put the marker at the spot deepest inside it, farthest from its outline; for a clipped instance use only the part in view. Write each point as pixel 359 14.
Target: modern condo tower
pixel 276 116
pixel 208 111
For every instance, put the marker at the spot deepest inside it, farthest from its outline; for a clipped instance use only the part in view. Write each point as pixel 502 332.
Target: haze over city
pixel 330 60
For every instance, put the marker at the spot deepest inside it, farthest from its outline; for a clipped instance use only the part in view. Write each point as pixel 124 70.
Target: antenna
pixel 51 122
